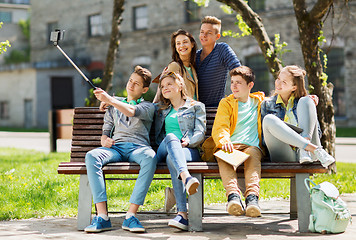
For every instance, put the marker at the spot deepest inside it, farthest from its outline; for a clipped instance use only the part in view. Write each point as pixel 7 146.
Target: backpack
pixel 329 213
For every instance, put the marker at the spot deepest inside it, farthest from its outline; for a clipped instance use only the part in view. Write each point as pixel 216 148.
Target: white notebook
pixel 235 158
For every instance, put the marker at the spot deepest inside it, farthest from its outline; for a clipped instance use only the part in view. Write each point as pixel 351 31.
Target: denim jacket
pixel 191 117
pixel 269 106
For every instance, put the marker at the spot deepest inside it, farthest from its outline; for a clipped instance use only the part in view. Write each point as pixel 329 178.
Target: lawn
pixel 31 187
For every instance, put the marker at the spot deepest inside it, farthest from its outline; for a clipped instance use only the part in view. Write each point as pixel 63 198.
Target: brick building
pixel 145 41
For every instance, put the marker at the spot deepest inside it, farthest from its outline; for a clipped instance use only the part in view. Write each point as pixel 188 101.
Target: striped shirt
pixel 213 71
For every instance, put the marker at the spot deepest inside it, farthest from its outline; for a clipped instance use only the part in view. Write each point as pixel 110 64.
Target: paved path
pixel 345 147
pixel 276 226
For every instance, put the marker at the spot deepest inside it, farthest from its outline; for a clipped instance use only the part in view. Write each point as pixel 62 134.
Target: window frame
pixel 135 19
pixel 95 29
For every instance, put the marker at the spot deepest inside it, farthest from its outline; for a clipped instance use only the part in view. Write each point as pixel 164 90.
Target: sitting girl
pixel 292 105
pixel 180 126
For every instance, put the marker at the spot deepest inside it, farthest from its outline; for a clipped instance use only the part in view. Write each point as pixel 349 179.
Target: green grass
pixel 345 132
pixel 30 187
pixel 16 129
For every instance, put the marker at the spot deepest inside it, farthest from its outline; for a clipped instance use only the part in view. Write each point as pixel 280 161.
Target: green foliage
pixel 243 27
pixel 89 100
pixel 31 187
pixel 25 28
pixel 201 3
pixel 18 56
pixel 4 45
pixel 279 48
pixel 321 41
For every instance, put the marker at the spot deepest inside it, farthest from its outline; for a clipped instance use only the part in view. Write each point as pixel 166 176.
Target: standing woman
pixel 184 49
pixel 292 105
pixel 180 126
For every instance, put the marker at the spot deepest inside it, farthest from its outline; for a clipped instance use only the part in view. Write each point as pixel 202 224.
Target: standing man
pixel 214 61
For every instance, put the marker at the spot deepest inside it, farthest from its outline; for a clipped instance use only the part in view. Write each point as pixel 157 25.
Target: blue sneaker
pixel 179 222
pixel 133 225
pixel 98 225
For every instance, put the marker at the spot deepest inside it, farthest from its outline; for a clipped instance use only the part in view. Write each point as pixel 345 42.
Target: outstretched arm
pixel 127 109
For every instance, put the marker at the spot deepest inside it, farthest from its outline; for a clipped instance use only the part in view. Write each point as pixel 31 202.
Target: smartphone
pixel 184 136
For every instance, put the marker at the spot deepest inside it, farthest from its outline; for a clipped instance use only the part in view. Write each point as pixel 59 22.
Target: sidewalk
pixel 274 225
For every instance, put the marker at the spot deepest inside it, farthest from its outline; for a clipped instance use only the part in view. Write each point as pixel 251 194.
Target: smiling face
pixel 240 88
pixel 183 46
pixel 208 35
pixel 134 87
pixel 284 84
pixel 170 89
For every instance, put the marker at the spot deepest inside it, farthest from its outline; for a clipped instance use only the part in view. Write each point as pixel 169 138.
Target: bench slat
pixel 87 132
pixel 82 126
pixel 88 121
pixel 89 116
pixel 268 169
pixel 86 138
pixel 86 143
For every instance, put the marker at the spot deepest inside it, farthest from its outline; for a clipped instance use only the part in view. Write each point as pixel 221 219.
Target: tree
pixel 309 25
pixel 118 9
pixel 114 43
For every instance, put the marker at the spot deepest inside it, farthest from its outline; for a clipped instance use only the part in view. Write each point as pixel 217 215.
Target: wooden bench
pixel 87 131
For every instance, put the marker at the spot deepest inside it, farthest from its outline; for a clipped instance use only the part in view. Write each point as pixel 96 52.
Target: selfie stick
pixel 55 43
pixel 75 66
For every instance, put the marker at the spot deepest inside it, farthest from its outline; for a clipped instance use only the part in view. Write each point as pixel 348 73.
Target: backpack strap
pixel 306 182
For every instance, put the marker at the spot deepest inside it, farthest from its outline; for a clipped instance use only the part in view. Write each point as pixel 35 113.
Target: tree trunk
pixel 310 25
pixel 254 21
pixel 118 9
pixel 114 42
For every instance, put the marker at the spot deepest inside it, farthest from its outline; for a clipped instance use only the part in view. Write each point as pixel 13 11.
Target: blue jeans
pixel 121 152
pixel 171 151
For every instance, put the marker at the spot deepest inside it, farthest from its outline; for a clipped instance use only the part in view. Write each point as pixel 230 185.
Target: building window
pixel 140 18
pixel 257 5
pixel 192 11
pixel 258 65
pixel 4 110
pixel 50 28
pixel 335 71
pixel 95 23
pixel 5 17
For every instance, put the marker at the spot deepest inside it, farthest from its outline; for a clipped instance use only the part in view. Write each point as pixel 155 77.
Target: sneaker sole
pixel 178 225
pixel 253 211
pixel 235 209
pixel 97 230
pixel 193 188
pixel 305 161
pixel 134 230
pixel 326 164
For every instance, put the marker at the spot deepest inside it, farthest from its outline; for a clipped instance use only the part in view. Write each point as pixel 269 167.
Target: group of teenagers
pixel 244 121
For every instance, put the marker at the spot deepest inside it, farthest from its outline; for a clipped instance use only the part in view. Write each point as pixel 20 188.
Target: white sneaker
pixel 304 157
pixel 324 158
pixel 169 199
pixel 191 185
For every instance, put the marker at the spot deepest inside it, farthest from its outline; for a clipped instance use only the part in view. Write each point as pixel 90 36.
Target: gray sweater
pixel 134 129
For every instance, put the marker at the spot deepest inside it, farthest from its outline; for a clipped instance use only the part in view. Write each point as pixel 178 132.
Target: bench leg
pixel 84 203
pixel 293 200
pixel 303 202
pixel 196 206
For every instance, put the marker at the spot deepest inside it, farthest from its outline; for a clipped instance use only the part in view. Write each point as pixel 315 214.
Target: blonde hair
pixel 216 22
pixel 298 75
pixel 164 102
